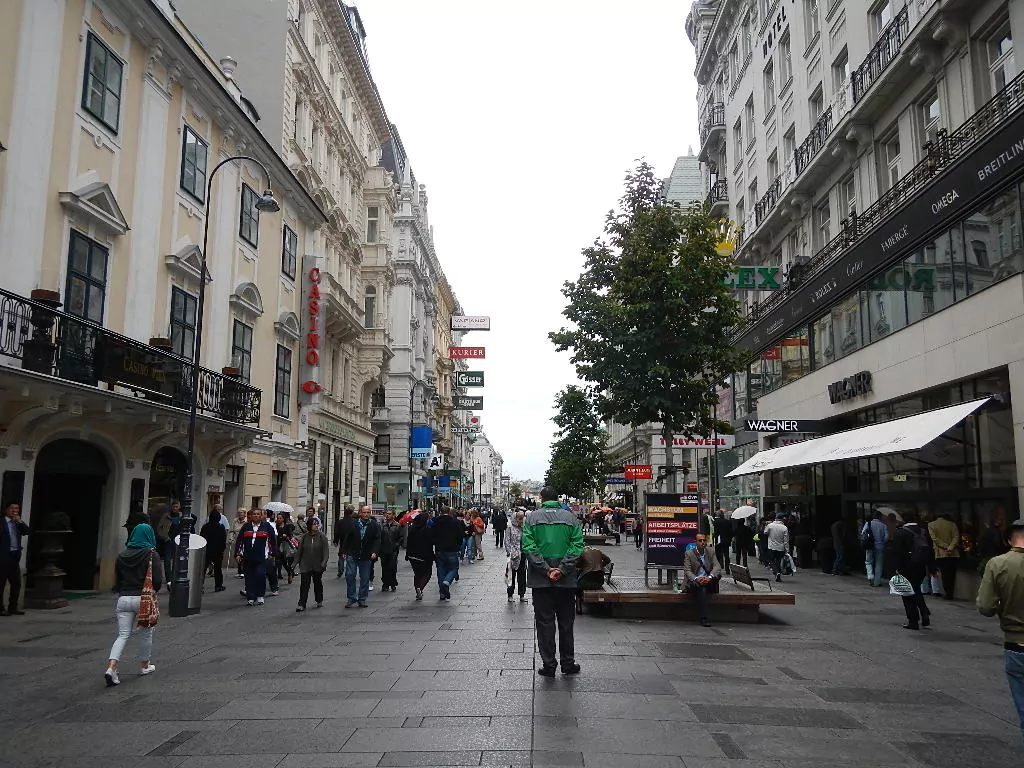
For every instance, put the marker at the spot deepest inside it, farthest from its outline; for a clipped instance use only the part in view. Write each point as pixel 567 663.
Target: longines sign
pixel 948 196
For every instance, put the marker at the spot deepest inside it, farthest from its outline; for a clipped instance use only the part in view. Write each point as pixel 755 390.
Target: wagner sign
pixel 852 386
pixel 949 196
pixel 782 425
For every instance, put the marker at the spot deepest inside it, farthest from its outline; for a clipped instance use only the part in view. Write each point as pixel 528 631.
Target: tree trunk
pixel 666 435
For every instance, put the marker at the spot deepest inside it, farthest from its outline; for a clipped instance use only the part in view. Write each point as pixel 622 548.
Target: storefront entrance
pixel 70 476
pixel 166 483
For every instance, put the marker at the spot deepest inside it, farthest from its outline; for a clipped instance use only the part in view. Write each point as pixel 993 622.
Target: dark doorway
pixel 166 485
pixel 69 478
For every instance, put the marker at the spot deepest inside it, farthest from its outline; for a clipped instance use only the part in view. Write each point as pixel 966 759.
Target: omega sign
pixel 852 386
pixel 313 334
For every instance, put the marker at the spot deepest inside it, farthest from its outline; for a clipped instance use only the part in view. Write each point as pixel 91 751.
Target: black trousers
pixel 700 594
pixel 551 606
pixel 947 567
pixel 723 554
pixel 215 561
pixel 914 605
pixel 272 575
pixel 389 570
pixel 10 573
pixel 518 577
pixel 499 538
pixel 422 570
pixel 317 577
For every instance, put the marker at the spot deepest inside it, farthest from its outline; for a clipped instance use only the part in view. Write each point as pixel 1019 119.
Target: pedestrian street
pixel 832 681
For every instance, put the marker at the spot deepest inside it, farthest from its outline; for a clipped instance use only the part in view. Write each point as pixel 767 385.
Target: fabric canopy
pixel 897 436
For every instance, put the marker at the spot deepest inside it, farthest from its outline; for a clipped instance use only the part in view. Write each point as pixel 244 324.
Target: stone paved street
pixel 833 681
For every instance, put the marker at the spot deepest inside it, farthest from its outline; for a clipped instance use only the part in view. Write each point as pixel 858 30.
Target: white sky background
pixel 521 119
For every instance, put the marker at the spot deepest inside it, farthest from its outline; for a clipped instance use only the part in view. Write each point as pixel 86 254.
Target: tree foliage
pixel 578 464
pixel 651 315
pixel 515 491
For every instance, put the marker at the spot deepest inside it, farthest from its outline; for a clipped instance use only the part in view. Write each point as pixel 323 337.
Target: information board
pixel 672 520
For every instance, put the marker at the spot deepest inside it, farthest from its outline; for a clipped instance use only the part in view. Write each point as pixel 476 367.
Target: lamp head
pixel 267 202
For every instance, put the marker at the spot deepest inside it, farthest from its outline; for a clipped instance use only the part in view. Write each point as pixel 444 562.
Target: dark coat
pixel 313 553
pixel 5 536
pixel 420 544
pixel 447 534
pixel 130 571
pixel 499 521
pixel 390 538
pixel 216 539
pixel 903 543
pixel 256 545
pixel 361 548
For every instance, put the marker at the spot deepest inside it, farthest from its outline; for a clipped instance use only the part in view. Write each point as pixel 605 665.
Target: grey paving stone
pixel 453 759
pixel 245 709
pixel 455 703
pixel 780 716
pixel 615 737
pixel 136 712
pixel 438 740
pixel 288 736
pixel 233 761
pixel 54 740
pixel 632 706
pixel 883 695
pixel 600 760
pixel 332 760
pixel 703 651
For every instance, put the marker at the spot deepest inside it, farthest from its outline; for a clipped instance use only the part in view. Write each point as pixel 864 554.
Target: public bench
pixel 736 601
pixel 598 538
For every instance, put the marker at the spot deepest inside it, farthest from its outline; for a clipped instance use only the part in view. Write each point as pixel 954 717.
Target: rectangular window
pixel 812 19
pixel 382 449
pixel 847 197
pixel 816 104
pixel 891 161
pixel 840 71
pixel 789 144
pixel 883 15
pixel 101 91
pixel 364 474
pixel 183 322
pixel 785 61
pixel 748 114
pixel 241 349
pixel 821 339
pixel 737 137
pixel 249 218
pixel 752 197
pixel 289 252
pixel 193 164
pixel 283 382
pixel 747 38
pixel 846 326
pixel 822 225
pixel 87 278
pixel 370 308
pixel 734 63
pixel 1001 62
pixel 769 87
pixel 992 241
pixel 931 117
pixel 372 223
pixel 773 165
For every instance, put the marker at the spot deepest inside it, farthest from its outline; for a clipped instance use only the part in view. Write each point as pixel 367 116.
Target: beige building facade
pixel 113 118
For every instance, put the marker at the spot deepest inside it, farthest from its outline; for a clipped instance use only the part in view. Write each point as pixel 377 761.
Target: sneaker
pixel 300 609
pixel 511 599
pixel 350 604
pixel 570 669
pixel 149 669
pixel 241 592
pixel 275 593
pixel 705 622
pixel 319 605
pixel 363 605
pixel 259 601
pixel 111 677
pixel 546 671
pixel 419 594
pixel 522 599
pixel 371 588
pixel 250 602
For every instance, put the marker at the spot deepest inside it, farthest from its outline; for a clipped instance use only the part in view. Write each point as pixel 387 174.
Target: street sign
pixel 467 323
pixel 783 425
pixel 637 471
pixel 456 353
pixel 469 378
pixel 617 481
pixel 467 403
pixel 436 461
pixel 466 430
pixel 422 439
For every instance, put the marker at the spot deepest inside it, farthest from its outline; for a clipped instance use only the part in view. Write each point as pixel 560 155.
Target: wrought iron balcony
pixel 882 54
pixel 713 118
pixel 67 347
pixel 719 193
pixel 814 142
pixel 768 201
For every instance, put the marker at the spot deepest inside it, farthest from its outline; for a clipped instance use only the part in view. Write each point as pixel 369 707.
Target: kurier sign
pixel 782 425
pixel 466 403
pixel 469 378
pixel 455 353
pixel 467 323
pixel 950 195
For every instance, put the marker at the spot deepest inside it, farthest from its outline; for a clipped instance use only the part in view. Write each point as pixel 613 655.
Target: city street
pixel 834 681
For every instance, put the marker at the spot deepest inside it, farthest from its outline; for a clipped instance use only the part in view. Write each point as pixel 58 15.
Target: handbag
pixel 900 586
pixel 149 605
pixel 508 571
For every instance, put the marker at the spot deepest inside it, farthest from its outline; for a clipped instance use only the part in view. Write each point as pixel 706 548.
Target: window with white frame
pixel 737 138
pixel 748 37
pixel 372 223
pixel 748 128
pixel 891 166
pixel 769 87
pixel 734 63
pixel 931 117
pixel 773 165
pixel 249 217
pixel 752 198
pixel 883 14
pixel 847 197
pixel 816 104
pixel 822 224
pixel 283 382
pixel 789 144
pixel 840 71
pixel 370 307
pixel 1001 64
pixel 785 61
pixel 289 252
pixel 812 19
pixel 101 90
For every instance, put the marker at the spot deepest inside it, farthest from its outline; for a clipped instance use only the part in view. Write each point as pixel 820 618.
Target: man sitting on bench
pixel 590 569
pixel 702 573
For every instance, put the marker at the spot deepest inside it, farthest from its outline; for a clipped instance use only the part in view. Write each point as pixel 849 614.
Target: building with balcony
pixel 882 178
pixel 114 119
pixel 685 185
pixel 307 73
pixel 488 487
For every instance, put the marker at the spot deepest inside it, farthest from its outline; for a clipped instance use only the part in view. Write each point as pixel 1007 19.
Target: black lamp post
pixel 180 585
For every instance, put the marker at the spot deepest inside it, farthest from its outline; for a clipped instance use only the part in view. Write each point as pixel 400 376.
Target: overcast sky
pixel 521 119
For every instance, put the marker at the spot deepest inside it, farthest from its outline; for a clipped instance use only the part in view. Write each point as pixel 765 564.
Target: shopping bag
pixel 900 586
pixel 789 565
pixel 508 571
pixel 149 604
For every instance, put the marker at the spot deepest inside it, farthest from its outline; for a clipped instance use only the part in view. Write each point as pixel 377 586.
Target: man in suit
pixel 702 573
pixel 12 531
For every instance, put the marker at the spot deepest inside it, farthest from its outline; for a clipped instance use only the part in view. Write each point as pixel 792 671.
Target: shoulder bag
pixel 149 605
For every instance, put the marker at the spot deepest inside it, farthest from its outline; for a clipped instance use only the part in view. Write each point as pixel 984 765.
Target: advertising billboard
pixel 672 523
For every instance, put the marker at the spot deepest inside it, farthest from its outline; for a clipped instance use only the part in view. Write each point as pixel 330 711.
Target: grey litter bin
pixel 196 570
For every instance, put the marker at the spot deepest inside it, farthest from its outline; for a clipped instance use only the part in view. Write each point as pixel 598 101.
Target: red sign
pixel 313 308
pixel 772 353
pixel 691 487
pixel 463 352
pixel 638 472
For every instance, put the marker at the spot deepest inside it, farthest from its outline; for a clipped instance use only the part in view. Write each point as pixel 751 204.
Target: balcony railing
pixel 713 118
pixel 766 203
pixel 719 192
pixel 814 142
pixel 55 343
pixel 879 57
pixel 948 148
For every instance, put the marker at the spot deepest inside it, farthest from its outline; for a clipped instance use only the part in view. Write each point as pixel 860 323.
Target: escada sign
pixel 852 386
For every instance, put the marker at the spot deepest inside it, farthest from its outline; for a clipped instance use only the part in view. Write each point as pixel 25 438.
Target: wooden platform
pixel 599 538
pixel 632 597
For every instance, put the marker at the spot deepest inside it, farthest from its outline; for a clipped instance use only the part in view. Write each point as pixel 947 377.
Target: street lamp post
pixel 267 203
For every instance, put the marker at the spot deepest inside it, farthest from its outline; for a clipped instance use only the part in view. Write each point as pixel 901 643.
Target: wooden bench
pixel 624 597
pixel 598 538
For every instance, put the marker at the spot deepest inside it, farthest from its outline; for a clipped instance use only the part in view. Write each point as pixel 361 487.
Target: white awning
pixel 898 436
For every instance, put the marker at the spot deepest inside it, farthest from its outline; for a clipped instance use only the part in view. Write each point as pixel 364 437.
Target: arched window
pixel 370 307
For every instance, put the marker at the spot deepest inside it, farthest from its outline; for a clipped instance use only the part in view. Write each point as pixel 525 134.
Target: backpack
pixel 867 537
pixel 921 553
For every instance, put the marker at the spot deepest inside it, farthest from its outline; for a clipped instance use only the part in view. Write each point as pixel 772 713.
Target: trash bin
pixel 196 570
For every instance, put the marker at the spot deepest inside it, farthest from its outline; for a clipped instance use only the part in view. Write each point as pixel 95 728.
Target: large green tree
pixel 578 464
pixel 651 315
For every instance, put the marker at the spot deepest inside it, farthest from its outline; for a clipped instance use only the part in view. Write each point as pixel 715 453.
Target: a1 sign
pixel 637 472
pixel 469 379
pixel 455 353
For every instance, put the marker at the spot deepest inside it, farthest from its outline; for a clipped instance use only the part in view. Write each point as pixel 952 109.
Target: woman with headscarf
pixel 130 570
pixel 311 557
pixel 285 545
pixel 419 551
pixel 216 542
pixel 514 550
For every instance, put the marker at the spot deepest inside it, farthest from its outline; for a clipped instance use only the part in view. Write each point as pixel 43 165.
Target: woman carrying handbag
pixel 139 574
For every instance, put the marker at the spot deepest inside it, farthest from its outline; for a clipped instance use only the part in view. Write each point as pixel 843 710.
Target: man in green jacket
pixel 1002 593
pixel 552 543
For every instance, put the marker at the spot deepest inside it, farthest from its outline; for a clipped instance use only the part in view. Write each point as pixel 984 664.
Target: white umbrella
pixel 743 512
pixel 278 506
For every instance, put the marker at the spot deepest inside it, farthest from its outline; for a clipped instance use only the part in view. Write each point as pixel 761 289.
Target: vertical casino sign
pixel 313 338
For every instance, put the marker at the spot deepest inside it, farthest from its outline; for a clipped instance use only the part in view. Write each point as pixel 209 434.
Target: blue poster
pixel 422 440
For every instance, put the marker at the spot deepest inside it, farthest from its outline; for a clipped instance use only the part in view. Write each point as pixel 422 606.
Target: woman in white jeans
pixel 130 573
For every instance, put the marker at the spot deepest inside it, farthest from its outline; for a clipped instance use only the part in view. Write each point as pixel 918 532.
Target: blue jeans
pixel 468 548
pixel 840 564
pixel 357 572
pixel 1015 677
pixel 447 568
pixel 874 559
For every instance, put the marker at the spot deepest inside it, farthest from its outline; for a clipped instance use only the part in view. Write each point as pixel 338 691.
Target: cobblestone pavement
pixel 834 681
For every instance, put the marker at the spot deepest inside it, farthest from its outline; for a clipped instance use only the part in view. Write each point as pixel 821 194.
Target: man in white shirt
pixel 778 544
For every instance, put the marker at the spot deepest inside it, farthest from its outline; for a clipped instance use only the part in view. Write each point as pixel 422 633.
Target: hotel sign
pixel 950 195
